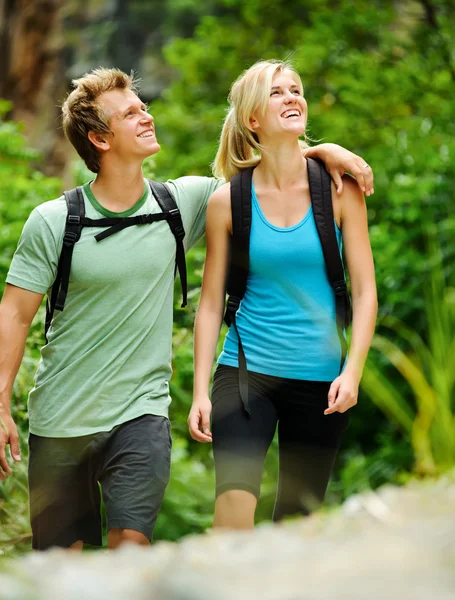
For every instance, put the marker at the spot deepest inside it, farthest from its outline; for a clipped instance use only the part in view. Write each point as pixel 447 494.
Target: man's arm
pixel 17 309
pixel 339 161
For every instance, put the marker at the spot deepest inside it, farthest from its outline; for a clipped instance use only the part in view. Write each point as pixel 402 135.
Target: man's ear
pixel 99 140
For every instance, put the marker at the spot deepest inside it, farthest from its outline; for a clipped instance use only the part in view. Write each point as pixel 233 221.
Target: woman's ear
pixel 254 125
pixel 99 140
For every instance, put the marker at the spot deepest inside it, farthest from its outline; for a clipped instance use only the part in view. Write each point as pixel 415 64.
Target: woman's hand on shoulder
pixel 199 419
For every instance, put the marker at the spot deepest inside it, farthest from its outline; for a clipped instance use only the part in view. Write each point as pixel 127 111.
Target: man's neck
pixel 118 190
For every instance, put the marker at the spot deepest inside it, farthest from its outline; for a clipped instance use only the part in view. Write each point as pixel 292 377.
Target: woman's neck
pixel 282 166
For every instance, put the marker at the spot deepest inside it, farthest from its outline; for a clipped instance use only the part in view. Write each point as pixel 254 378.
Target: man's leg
pixel 116 537
pixel 64 494
pixel 134 475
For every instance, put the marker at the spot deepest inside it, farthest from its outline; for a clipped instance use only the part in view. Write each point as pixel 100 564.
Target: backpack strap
pixel 239 264
pixel 73 227
pixel 321 199
pixel 76 220
pixel 169 207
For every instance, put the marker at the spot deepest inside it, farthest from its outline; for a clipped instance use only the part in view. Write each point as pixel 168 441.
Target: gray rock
pixel 398 543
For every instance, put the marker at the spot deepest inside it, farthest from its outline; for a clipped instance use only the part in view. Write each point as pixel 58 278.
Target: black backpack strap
pixel 73 227
pixel 116 224
pixel 169 207
pixel 321 199
pixel 239 264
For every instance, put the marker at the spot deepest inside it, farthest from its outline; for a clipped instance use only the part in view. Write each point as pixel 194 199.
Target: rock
pixel 398 543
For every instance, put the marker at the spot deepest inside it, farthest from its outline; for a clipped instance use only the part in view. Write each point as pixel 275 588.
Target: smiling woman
pixel 283 361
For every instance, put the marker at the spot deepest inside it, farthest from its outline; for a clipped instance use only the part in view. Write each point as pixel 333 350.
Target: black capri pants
pixel 308 440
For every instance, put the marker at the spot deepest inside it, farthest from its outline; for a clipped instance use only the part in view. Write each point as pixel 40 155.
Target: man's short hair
pixel 82 113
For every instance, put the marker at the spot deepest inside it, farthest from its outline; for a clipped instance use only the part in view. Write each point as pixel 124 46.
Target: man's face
pixel 132 134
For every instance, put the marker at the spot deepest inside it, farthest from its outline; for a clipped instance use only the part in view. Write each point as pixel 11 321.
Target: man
pixel 99 407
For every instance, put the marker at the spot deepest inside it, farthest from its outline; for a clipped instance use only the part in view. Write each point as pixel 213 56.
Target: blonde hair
pixel 239 146
pixel 82 113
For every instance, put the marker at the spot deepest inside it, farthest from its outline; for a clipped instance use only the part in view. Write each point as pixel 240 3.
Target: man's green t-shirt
pixel 108 356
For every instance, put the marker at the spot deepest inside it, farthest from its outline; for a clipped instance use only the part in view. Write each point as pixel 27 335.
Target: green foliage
pixel 15 532
pixel 428 367
pixel 23 187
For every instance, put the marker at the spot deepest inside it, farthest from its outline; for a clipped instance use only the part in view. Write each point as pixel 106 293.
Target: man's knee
pixel 118 536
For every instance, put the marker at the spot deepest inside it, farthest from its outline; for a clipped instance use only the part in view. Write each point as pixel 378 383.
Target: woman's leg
pixel 235 509
pixel 308 445
pixel 240 443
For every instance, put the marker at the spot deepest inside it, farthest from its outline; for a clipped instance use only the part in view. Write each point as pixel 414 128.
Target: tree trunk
pixel 32 74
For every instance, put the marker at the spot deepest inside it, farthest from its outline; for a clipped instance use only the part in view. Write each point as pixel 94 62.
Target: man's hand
pixel 343 393
pixel 199 420
pixel 8 435
pixel 339 161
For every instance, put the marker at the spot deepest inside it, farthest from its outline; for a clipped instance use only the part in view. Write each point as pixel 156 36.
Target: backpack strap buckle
pixel 233 304
pixel 175 217
pixel 340 288
pixel 70 238
pixel 143 219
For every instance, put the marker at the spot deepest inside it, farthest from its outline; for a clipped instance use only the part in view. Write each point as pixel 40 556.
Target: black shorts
pixel 308 439
pixel 131 463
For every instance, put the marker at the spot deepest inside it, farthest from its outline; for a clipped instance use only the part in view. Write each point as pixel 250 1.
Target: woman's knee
pixel 234 509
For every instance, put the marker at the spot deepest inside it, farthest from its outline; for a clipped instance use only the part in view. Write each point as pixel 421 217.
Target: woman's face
pixel 286 112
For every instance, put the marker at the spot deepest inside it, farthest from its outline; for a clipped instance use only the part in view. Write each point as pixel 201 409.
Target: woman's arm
pixel 359 262
pixel 339 161
pixel 210 310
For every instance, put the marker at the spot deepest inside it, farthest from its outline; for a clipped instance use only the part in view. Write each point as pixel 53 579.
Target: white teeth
pixel 146 134
pixel 292 113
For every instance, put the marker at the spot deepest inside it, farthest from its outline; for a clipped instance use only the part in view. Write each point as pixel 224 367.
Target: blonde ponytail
pixel 236 151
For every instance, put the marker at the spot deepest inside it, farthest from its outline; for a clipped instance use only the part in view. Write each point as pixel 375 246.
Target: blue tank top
pixel 286 319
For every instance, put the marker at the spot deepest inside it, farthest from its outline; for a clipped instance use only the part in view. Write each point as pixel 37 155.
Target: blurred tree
pixel 32 75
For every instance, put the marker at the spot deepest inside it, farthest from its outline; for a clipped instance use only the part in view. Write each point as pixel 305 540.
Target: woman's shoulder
pixel 219 207
pixel 220 200
pixel 221 195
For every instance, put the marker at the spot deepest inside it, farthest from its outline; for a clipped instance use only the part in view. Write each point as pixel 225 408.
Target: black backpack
pixel 76 220
pixel 321 199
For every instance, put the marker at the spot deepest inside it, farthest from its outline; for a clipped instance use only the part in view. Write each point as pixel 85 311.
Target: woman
pixel 286 320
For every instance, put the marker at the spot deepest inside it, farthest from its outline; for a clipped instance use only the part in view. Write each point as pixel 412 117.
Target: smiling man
pixel 99 406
